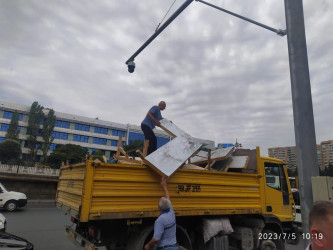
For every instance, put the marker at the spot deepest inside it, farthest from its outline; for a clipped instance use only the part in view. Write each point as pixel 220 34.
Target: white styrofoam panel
pixel 173 128
pixel 172 155
pixel 214 154
pixel 239 161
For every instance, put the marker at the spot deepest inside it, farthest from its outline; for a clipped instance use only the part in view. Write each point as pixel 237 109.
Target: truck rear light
pixel 91 232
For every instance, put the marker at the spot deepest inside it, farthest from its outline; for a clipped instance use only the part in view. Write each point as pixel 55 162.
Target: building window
pixel 82 127
pixel 99 141
pixel 114 143
pixel 81 138
pixel 59 135
pixel 9 115
pixel 118 133
pixel 61 124
pixel 136 136
pixel 4 127
pixel 93 150
pixel 2 139
pixel 101 130
pixel 26 145
pixel 53 146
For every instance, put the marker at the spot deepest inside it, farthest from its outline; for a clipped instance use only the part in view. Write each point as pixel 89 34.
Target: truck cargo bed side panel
pixel 130 191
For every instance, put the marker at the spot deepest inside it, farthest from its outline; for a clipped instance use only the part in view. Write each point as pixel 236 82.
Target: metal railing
pixel 12 169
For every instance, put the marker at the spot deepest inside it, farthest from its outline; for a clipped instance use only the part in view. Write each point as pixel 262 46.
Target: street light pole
pixel 160 29
pixel 302 105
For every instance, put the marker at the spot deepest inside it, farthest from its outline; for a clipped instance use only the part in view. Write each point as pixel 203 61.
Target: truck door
pixel 277 195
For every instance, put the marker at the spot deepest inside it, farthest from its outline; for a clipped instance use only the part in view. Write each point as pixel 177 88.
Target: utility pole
pixel 302 105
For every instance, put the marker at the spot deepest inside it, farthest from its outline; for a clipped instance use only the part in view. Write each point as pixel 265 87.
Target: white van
pixel 10 200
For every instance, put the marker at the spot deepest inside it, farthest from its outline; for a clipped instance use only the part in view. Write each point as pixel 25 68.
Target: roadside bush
pixel 63 153
pixel 10 151
pixel 55 159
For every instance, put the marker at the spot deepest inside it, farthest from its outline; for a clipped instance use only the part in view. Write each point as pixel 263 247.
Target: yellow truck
pixel 114 206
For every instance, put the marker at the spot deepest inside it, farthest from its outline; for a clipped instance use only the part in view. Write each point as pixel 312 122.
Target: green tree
pixel 55 159
pixel 10 151
pixel 63 153
pixel 133 146
pixel 36 116
pixel 12 132
pixel 98 154
pixel 328 171
pixel 47 130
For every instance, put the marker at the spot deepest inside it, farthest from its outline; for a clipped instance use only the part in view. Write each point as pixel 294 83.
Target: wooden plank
pixel 124 160
pixel 226 168
pixel 210 165
pixel 172 129
pixel 145 147
pixel 119 146
pixel 168 131
pixel 192 166
pixel 160 173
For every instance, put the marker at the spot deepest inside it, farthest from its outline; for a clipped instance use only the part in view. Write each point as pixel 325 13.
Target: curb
pixel 41 202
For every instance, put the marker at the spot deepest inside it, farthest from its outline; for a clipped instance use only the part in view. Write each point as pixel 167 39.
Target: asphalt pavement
pixel 44 226
pixel 41 224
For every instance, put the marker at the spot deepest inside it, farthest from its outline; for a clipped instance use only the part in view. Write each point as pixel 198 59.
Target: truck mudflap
pixel 80 241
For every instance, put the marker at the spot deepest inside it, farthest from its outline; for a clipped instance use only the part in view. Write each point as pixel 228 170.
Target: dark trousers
pixel 149 135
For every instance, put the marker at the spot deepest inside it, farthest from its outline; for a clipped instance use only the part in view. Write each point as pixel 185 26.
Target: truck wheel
pixel 271 244
pixel 10 206
pixel 138 240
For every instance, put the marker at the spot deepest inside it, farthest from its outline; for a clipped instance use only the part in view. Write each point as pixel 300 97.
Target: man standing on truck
pixel 321 226
pixel 165 224
pixel 152 118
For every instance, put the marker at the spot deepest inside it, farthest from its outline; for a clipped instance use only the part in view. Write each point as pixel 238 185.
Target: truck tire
pixel 271 244
pixel 137 240
pixel 10 205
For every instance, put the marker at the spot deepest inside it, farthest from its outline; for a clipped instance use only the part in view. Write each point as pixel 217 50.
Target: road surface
pixel 44 227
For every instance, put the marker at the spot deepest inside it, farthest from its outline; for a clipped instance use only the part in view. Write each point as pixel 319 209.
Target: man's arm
pixel 156 122
pixel 151 243
pixel 165 188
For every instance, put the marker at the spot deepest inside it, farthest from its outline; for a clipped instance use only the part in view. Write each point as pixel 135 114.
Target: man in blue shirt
pixel 152 118
pixel 165 224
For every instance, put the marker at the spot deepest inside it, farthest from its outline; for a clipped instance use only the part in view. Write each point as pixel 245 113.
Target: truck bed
pixel 96 191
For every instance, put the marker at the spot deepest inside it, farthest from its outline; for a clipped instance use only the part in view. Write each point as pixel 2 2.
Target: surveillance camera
pixel 131 66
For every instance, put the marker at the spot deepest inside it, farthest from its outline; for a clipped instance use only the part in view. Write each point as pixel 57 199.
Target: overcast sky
pixel 222 78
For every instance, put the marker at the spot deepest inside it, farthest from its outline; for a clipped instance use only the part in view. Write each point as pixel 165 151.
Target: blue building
pixel 90 133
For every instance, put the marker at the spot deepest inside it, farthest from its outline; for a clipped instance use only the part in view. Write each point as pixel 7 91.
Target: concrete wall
pixel 36 189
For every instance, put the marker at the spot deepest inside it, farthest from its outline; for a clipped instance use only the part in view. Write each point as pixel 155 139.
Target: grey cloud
pixel 222 78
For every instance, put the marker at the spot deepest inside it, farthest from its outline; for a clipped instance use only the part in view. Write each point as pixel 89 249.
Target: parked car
pixel 11 200
pixel 3 223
